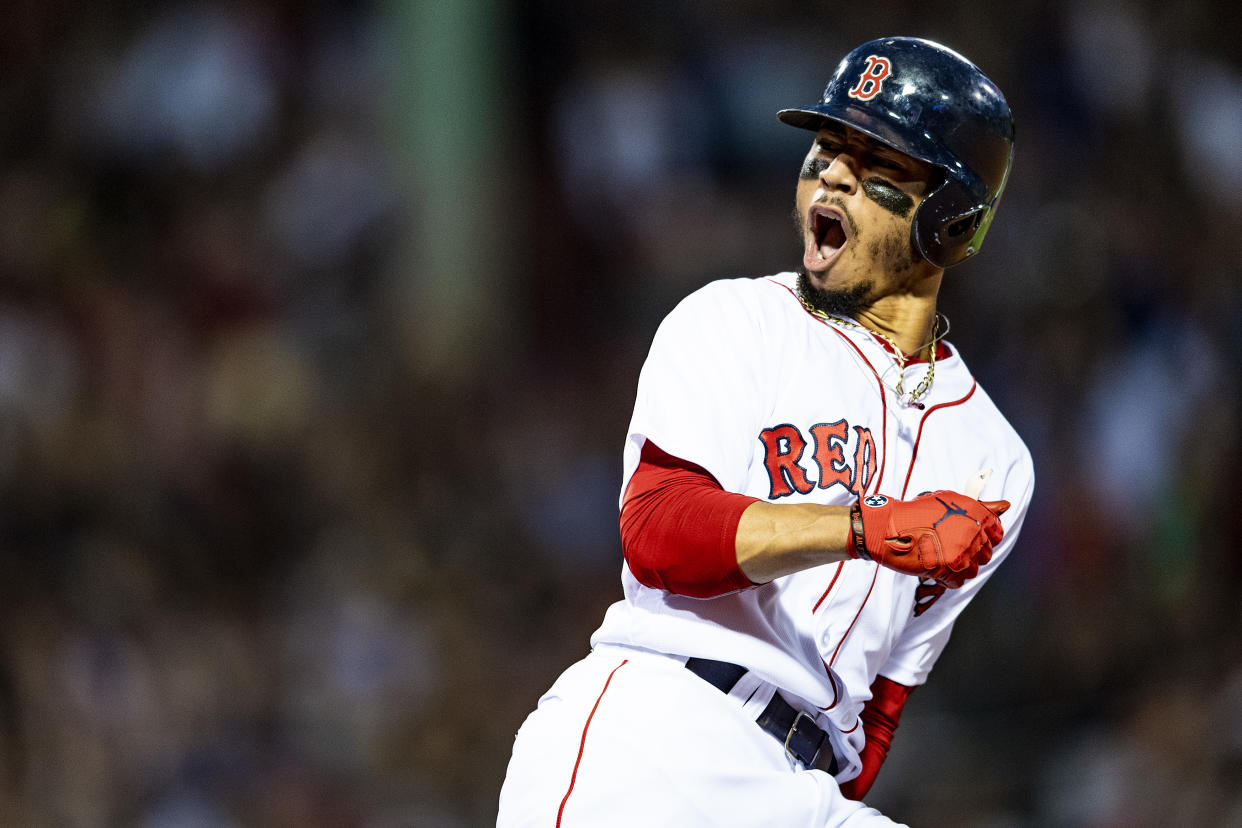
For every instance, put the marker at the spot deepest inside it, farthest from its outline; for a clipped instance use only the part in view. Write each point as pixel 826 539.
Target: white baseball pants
pixel 630 738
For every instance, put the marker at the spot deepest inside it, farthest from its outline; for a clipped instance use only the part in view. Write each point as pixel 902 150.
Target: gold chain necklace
pixel 908 398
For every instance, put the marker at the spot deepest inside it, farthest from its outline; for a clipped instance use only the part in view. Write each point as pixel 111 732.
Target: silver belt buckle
pixel 793 728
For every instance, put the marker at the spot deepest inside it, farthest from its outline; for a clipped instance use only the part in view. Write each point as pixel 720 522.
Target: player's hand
pixel 943 535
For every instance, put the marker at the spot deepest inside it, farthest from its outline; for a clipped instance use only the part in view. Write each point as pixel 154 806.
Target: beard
pixel 893 252
pixel 847 302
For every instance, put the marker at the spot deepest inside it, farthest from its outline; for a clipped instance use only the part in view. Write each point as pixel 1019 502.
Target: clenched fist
pixel 943 535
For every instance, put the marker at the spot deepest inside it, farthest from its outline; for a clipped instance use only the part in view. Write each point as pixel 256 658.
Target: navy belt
pixel 797 731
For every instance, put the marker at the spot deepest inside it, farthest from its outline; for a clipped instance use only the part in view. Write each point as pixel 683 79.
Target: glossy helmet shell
pixel 929 102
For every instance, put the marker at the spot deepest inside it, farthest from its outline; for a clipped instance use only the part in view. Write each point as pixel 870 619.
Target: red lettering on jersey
pixel 872 78
pixel 864 460
pixel 783 446
pixel 829 438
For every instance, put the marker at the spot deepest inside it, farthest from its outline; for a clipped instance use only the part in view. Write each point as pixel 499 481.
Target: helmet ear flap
pixel 945 233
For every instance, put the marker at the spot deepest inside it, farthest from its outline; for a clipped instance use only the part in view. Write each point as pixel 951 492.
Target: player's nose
pixel 840 175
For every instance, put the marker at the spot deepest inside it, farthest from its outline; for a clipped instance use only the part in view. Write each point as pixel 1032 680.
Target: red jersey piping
pixel 831 584
pixel 875 571
pixel 883 402
pixel 919 435
pixel 879 383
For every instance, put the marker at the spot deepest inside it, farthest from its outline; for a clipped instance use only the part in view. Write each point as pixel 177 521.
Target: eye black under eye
pixel 814 165
pixel 888 196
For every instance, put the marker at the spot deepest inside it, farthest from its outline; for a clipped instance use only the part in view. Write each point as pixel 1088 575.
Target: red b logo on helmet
pixel 868 86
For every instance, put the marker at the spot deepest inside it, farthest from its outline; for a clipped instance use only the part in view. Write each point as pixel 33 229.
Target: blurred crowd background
pixel 319 330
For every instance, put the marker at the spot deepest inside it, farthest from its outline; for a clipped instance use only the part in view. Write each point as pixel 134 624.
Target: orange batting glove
pixel 942 535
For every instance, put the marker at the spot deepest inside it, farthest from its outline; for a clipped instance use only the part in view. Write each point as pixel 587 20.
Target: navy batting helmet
pixel 927 101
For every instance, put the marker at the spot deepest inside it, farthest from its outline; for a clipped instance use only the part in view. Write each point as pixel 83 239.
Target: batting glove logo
pixel 875 500
pixel 951 510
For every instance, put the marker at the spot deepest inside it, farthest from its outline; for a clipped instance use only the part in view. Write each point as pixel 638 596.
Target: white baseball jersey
pixel 782 405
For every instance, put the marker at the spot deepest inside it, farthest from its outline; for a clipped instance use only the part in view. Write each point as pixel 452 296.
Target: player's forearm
pixel 775 539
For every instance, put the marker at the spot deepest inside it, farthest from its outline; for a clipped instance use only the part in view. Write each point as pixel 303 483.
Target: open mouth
pixel 828 234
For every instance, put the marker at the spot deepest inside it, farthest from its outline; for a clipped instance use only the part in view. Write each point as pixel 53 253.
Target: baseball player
pixel 814 488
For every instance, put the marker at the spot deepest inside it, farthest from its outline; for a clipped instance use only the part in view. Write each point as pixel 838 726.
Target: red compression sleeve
pixel 679 527
pixel 879 717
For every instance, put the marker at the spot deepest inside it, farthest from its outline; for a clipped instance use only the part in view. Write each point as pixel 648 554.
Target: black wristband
pixel 856 532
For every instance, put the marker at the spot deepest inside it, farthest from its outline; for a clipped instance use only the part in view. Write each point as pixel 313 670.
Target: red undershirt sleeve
pixel 880 717
pixel 679 527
